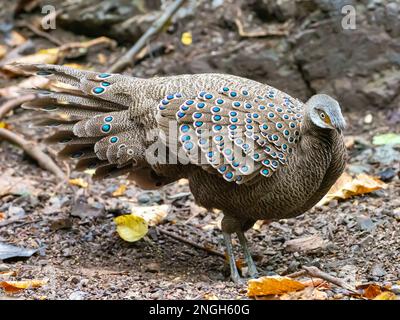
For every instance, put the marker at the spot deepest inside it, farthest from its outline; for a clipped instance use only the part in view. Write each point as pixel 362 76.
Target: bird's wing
pixel 236 132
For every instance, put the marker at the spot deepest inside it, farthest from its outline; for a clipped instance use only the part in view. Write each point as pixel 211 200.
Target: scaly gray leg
pixel 247 255
pixel 232 263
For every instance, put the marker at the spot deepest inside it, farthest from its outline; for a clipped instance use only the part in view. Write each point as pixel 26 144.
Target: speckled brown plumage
pixel 269 156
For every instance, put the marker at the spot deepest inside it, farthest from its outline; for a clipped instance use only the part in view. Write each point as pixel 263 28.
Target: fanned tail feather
pixel 91 115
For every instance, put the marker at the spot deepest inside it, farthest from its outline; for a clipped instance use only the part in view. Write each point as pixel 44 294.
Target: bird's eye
pixel 322 115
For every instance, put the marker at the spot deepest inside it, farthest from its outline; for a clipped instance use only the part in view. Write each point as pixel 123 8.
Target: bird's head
pixel 324 112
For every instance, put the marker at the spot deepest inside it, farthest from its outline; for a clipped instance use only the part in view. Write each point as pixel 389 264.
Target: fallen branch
pixel 194 244
pixel 11 221
pixel 315 272
pixel 156 27
pixel 272 31
pixel 40 33
pixel 13 103
pixel 34 152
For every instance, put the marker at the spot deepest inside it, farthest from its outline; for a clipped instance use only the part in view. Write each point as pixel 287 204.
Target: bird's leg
pixel 247 255
pixel 232 263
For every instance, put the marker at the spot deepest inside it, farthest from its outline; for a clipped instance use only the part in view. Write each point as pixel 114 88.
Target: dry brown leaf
pixel 15 185
pixel 101 58
pixel 15 39
pixel 2 216
pixel 317 282
pixel 308 293
pixel 15 286
pixel 210 296
pixel 305 244
pixel 29 83
pixel 372 291
pixel 120 191
pixel 273 285
pixel 3 51
pixel 55 55
pixel 346 187
pixel 7 274
pixel 387 295
pixel 349 142
pixel 79 182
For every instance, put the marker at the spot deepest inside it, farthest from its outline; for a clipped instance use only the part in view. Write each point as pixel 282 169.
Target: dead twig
pixel 13 103
pixel 156 27
pixel 315 272
pixel 194 244
pixel 40 33
pixel 273 31
pixel 34 152
pixel 11 221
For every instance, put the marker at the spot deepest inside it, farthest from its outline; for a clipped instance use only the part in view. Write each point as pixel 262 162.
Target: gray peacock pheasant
pixel 246 148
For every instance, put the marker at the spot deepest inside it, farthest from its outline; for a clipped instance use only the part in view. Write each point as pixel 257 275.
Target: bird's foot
pixel 252 271
pixel 237 279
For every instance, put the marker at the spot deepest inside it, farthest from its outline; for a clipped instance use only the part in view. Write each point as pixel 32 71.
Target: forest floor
pixel 82 256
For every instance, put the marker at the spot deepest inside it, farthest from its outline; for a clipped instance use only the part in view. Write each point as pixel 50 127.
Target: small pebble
pixel 368 119
pixel 152 267
pixel 378 271
pixel 387 175
pixel 77 295
pixel 365 223
pixel 143 198
pixel 16 212
pixel 396 289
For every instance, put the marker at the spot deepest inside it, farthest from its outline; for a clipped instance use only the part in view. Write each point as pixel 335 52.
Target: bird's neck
pixel 313 132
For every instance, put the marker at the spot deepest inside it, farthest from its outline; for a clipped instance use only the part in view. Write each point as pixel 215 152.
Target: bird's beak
pixel 339 124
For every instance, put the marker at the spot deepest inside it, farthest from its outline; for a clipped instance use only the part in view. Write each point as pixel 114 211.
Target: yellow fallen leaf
pixel 386 296
pixel 272 285
pixel 50 56
pixel 120 191
pixel 3 125
pixel 15 286
pixel 79 182
pixel 131 228
pixel 187 38
pixel 346 187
